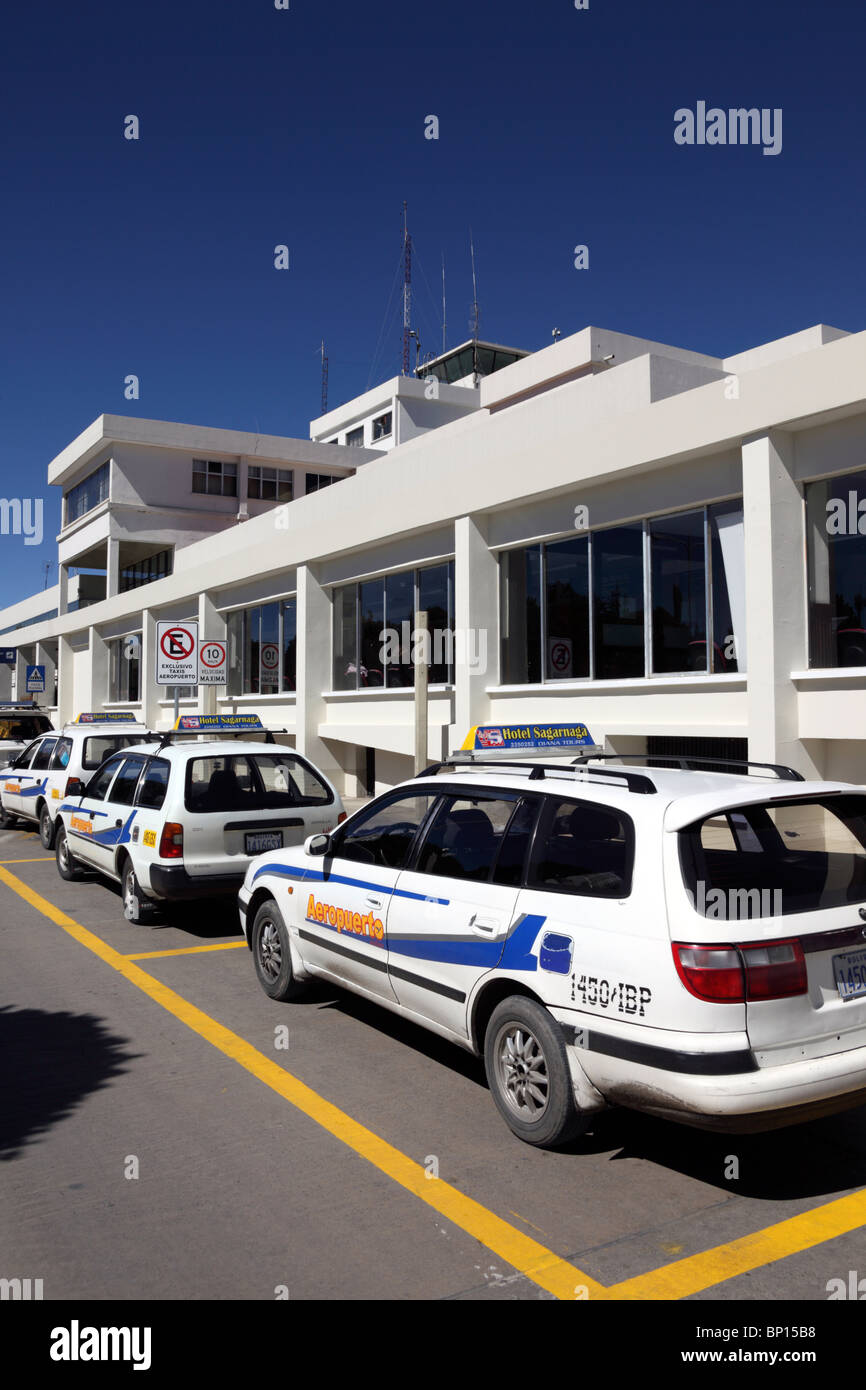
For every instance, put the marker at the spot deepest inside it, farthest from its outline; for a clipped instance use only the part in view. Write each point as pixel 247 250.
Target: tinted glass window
pixel 221 784
pixel 464 836
pixel 26 758
pixel 151 792
pixel 286 781
pixel 769 860
pixel 582 847
pixel 123 790
pixel 61 755
pixel 384 833
pixel 98 785
pixel 101 746
pixel 511 860
pixel 43 753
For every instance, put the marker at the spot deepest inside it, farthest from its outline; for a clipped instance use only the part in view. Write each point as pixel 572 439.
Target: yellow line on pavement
pixel 698 1272
pixel 186 950
pixel 43 859
pixel 546 1269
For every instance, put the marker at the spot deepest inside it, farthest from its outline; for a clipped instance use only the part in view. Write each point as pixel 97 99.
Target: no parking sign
pixel 177 653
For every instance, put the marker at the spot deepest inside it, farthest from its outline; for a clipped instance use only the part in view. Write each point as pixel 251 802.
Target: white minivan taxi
pixel 57 764
pixel 690 942
pixel 173 820
pixel 20 723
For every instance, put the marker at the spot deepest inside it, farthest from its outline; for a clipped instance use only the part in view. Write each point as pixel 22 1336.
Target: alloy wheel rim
pixel 522 1071
pixel 270 954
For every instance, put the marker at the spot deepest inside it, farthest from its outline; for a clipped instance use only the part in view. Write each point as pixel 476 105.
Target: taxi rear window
pixel 20 728
pixel 778 857
pixel 101 746
pixel 252 782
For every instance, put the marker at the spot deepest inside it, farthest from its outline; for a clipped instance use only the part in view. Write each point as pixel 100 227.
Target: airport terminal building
pixel 667 546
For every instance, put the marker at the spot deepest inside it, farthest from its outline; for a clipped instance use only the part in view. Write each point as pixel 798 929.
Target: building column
pixel 112 568
pixel 62 590
pixel 476 625
pixel 45 656
pixel 99 671
pixel 23 659
pixel 313 672
pixel 211 625
pixel 65 681
pixel 775 600
pixel 151 693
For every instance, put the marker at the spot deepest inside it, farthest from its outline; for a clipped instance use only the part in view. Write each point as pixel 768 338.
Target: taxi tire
pixel 47 828
pixel 67 866
pixel 137 909
pixel 269 936
pixel 560 1119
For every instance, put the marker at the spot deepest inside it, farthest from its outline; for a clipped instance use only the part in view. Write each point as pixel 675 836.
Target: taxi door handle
pixel 117 823
pixel 374 902
pixel 484 923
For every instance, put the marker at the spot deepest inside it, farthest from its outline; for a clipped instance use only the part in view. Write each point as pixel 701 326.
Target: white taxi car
pixel 20 723
pixel 173 821
pixel 687 942
pixel 57 764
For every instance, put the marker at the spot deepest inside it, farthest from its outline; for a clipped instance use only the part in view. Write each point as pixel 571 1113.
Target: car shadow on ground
pixel 51 1063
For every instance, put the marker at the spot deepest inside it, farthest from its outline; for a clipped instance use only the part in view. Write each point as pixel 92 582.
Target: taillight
pixel 344 815
pixel 171 841
pixel 742 974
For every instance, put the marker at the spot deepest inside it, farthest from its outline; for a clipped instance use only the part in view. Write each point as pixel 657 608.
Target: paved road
pixel 262 1168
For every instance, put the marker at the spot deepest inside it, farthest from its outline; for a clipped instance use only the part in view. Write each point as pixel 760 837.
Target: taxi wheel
pixel 136 907
pixel 271 953
pixel 528 1073
pixel 67 867
pixel 47 828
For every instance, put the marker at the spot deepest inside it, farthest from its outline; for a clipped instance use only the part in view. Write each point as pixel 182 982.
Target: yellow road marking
pixel 185 950
pixel 550 1271
pixel 546 1269
pixel 702 1271
pixel 43 859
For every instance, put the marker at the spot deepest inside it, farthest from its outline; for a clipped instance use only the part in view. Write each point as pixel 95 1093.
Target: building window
pixel 836 545
pixel 262 649
pixel 269 484
pixel 214 478
pixel 382 426
pixel 355 438
pixel 374 629
pixel 577 608
pixel 146 571
pixel 124 680
pixel 86 495
pixel 316 481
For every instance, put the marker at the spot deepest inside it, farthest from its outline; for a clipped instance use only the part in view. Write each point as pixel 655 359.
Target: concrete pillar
pixel 62 589
pixel 99 671
pixel 46 655
pixel 151 693
pixel 24 658
pixel 314 672
pixel 65 682
pixel 112 568
pixel 476 625
pixel 211 624
pixel 775 600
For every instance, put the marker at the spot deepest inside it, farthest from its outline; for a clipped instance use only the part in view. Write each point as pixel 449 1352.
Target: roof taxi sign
pixel 107 717
pixel 526 737
pixel 218 723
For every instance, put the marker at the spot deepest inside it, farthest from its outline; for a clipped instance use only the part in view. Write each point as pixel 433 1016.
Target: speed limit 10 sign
pixel 212 662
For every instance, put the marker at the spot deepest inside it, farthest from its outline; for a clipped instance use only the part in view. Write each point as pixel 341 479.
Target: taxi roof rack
pixel 634 781
pixel 783 773
pixel 164 736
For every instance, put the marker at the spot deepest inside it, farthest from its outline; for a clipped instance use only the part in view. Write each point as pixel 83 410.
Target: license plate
pixel 264 840
pixel 850 975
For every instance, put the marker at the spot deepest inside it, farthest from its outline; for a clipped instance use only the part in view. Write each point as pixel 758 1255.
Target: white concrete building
pixel 660 543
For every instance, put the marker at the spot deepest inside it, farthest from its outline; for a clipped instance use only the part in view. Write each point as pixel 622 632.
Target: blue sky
pixel 306 127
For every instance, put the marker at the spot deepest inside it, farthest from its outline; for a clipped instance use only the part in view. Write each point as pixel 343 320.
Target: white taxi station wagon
pixel 180 815
pixel 689 941
pixel 57 764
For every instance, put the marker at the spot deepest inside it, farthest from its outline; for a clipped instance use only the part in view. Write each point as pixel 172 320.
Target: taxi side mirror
pixel 317 844
pixel 74 787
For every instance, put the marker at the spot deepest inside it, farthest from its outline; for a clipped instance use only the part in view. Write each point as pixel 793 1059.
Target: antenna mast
pixel 407 292
pixel 476 312
pixel 324 380
pixel 444 325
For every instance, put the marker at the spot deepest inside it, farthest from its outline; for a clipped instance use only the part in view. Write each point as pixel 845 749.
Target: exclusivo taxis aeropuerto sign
pixel 527 736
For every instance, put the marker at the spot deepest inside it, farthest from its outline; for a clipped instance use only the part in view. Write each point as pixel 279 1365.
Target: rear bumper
pixel 173 882
pixel 718 1090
